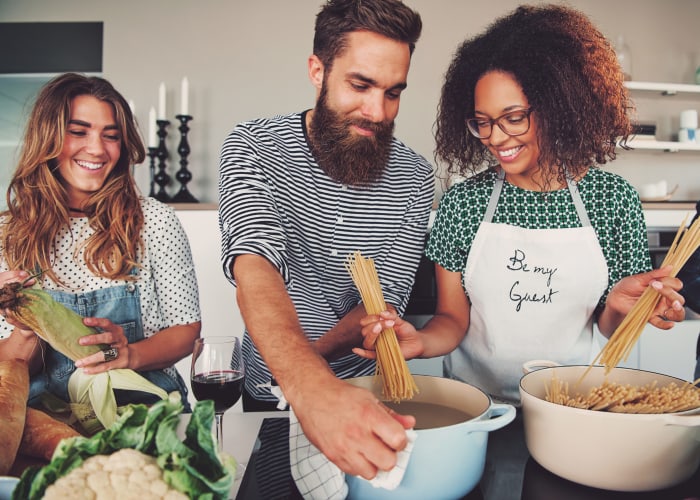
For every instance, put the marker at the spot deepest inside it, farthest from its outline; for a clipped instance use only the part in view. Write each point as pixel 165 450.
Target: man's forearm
pixel 274 327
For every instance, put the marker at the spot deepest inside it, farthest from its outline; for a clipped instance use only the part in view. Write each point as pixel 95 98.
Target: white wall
pixel 247 58
pixel 217 296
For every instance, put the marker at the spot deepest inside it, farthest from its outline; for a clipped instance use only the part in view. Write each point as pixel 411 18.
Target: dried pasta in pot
pixel 619 398
pixel 397 382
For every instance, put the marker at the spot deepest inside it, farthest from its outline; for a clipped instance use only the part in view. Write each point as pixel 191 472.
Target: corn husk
pixel 92 400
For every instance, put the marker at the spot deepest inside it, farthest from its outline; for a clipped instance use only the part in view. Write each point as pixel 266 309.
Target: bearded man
pixel 297 195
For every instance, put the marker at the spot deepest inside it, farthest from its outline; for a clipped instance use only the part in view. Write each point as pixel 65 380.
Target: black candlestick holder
pixel 183 175
pixel 152 153
pixel 162 178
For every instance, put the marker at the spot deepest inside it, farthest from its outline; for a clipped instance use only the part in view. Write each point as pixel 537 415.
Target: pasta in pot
pixel 618 398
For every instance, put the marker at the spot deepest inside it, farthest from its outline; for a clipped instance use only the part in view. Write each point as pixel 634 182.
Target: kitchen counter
pixel 667 214
pixel 669 205
pixel 664 214
pixel 515 475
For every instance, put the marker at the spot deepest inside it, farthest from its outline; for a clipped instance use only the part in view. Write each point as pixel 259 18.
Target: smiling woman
pixel 91 149
pixel 120 260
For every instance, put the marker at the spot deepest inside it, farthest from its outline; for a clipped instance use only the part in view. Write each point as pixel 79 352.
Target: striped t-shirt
pixel 275 201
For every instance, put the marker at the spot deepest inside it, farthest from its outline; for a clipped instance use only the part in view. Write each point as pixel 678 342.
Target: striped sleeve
pixel 248 217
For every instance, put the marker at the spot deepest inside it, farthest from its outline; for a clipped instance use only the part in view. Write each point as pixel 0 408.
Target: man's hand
pixel 352 428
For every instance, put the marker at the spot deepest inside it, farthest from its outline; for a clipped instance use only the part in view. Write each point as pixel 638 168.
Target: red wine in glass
pixel 217 374
pixel 223 387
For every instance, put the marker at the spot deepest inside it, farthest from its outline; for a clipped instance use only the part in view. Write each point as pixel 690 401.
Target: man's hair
pixel 338 18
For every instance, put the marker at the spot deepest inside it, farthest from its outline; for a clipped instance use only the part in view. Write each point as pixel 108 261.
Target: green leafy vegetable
pixel 193 467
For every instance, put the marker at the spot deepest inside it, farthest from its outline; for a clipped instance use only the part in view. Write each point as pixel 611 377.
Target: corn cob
pixel 92 396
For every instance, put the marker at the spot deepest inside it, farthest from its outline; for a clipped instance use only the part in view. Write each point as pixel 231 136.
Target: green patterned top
pixel 612 204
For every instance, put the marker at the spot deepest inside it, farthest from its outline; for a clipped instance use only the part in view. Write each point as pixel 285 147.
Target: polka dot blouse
pixel 167 282
pixel 612 205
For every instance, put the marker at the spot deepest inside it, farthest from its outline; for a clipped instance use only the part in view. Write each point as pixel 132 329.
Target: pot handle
pixel 536 364
pixel 497 416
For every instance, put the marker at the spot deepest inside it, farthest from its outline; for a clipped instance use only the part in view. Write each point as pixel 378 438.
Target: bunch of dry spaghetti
pixel 685 243
pixel 614 397
pixel 397 381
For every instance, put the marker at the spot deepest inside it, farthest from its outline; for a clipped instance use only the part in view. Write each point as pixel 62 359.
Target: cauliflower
pixel 125 474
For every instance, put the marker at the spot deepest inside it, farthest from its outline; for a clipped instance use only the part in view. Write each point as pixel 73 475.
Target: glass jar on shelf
pixel 624 57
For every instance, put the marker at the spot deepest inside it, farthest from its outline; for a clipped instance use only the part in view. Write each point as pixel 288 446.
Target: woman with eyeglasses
pixel 538 244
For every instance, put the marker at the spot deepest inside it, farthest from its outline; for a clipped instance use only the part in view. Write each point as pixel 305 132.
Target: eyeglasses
pixel 513 123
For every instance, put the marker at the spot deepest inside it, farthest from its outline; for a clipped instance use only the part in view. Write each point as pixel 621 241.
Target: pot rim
pixel 481 416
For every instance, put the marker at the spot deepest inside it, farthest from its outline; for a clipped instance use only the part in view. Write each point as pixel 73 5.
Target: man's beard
pixel 345 157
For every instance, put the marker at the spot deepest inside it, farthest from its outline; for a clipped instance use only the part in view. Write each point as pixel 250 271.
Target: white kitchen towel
pixel 318 478
pixel 276 392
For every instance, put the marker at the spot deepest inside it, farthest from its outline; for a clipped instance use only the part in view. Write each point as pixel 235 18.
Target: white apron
pixel 533 293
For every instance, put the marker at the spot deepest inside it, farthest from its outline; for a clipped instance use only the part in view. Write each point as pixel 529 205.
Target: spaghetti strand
pixel 618 348
pixel 397 381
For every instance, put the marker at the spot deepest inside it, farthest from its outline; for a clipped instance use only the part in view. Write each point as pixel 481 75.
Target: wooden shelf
pixel 666 146
pixel 664 89
pixel 194 206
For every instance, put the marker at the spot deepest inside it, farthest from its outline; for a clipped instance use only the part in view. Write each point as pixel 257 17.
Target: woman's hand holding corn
pixel 110 335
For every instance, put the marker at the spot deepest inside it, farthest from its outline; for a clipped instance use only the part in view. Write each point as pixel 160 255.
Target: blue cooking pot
pixel 446 462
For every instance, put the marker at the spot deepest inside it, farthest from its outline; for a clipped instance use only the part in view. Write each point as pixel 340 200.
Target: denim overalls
pixel 121 304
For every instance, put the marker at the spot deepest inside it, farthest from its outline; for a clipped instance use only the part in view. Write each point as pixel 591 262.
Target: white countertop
pixel 661 214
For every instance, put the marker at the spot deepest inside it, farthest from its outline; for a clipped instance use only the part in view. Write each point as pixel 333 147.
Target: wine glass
pixel 217 374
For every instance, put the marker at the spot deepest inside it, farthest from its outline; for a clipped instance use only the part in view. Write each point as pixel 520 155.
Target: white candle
pixel 184 96
pixel 152 141
pixel 161 102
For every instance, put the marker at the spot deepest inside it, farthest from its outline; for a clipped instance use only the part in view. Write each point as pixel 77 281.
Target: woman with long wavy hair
pixel 77 224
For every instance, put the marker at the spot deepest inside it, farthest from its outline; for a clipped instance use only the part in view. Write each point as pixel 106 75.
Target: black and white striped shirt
pixel 275 201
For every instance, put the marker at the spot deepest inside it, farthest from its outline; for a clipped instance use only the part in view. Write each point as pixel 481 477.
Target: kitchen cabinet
pixel 671 352
pixel 645 92
pixel 217 297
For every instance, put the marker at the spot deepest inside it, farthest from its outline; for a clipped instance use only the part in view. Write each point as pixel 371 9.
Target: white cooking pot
pixel 613 451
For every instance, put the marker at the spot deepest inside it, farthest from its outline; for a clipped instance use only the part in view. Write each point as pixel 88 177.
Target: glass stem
pixel 220 430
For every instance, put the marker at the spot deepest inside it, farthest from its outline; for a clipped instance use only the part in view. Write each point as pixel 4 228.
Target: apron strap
pixel 578 202
pixel 571 184
pixel 495 194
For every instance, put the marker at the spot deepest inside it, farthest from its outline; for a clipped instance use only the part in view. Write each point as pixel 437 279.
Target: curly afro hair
pixel 572 80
